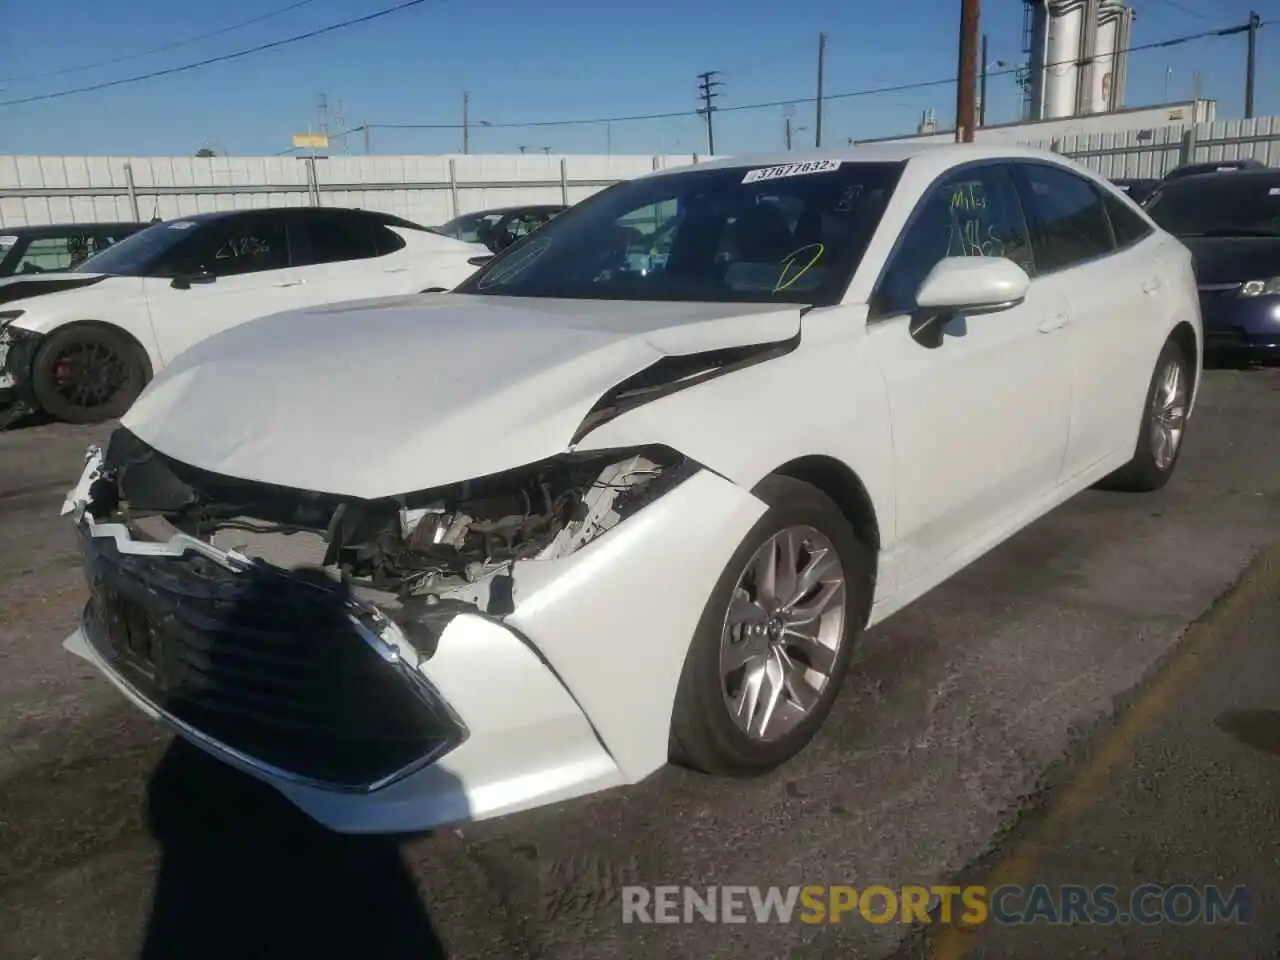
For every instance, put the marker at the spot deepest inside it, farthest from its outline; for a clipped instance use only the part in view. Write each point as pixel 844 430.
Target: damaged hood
pixel 385 397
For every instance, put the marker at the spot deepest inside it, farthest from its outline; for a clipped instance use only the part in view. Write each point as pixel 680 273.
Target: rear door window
pixel 1066 214
pixel 337 238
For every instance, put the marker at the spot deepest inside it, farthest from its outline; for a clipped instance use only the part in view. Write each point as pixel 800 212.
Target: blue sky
pixel 524 61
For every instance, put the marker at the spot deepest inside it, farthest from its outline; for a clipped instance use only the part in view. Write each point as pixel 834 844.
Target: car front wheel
pixel 86 373
pixel 774 640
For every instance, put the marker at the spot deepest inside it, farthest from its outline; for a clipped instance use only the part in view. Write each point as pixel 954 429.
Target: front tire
pixel 775 637
pixel 1164 424
pixel 86 373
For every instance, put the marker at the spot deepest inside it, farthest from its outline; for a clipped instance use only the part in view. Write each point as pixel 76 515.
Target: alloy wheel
pixel 782 632
pixel 1168 415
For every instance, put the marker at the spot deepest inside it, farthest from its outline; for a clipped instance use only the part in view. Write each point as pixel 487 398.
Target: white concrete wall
pixel 425 189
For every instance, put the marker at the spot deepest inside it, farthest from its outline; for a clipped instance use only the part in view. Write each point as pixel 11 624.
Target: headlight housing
pixel 8 316
pixel 1250 288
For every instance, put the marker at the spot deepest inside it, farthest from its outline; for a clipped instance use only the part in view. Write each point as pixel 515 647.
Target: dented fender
pixel 599 605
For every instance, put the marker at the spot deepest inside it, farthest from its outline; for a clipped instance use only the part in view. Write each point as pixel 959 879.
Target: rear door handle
pixel 1055 323
pixel 395 269
pixel 290 283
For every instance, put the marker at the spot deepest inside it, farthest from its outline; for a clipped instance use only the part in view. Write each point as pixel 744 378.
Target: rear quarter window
pixel 1127 224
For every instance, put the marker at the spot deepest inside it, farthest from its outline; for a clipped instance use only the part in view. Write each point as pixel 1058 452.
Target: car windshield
pixel 793 233
pixel 1237 205
pixel 468 227
pixel 136 254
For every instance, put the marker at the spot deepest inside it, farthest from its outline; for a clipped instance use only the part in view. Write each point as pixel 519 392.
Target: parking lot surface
pixel 114 843
pixel 1182 790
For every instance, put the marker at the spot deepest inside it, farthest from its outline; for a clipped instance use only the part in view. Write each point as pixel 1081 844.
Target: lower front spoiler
pixel 530 744
pixel 17 354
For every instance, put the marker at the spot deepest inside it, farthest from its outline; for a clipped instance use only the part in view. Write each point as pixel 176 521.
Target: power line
pixel 163 47
pixel 239 54
pixel 1181 8
pixel 795 101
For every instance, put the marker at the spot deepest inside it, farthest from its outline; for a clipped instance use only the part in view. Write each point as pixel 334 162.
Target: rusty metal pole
pixel 822 58
pixel 967 73
pixel 1251 64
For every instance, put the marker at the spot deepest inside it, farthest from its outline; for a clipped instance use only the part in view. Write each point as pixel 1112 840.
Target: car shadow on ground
pixel 13 419
pixel 244 873
pixel 1227 363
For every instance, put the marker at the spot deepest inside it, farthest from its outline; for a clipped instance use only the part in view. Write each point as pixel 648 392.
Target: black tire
pixel 704 735
pixel 86 373
pixel 1144 473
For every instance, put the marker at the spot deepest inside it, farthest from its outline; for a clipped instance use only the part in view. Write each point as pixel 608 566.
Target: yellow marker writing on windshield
pixel 790 261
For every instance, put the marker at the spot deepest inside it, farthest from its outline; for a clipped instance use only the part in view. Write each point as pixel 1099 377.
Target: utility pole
pixel 822 55
pixel 1251 63
pixel 788 132
pixel 970 13
pixel 366 138
pixel 466 122
pixel 982 87
pixel 706 90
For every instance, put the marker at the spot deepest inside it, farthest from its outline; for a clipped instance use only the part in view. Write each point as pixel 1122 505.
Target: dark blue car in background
pixel 1230 221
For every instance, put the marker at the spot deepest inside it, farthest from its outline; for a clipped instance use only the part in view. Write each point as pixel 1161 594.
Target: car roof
pixel 1247 175
pixel 489 211
pixel 58 229
pixel 939 155
pixel 213 215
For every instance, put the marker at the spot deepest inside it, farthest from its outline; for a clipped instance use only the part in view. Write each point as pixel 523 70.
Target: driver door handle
pixel 290 283
pixel 1056 322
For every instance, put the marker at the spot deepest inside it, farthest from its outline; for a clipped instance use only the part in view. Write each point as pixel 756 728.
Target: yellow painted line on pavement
pixel 1261 579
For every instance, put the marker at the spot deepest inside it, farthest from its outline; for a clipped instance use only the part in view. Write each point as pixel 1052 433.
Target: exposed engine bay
pixel 448 543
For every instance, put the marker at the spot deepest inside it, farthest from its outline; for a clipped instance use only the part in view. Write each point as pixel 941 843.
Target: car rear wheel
pixel 774 640
pixel 86 374
pixel 1164 424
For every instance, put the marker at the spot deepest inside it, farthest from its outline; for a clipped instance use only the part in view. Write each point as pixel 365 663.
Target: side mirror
pixel 969 286
pixel 481 260
pixel 183 281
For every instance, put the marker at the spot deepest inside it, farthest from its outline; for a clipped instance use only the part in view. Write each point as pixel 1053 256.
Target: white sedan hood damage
pixel 379 398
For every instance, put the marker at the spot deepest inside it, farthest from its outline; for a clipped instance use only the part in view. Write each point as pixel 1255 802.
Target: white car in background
pixel 81 345
pixel 420 561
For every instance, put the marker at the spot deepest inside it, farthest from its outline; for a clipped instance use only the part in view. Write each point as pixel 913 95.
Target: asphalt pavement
pixel 965 719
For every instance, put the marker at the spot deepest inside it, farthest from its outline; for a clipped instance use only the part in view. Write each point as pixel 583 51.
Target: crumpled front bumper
pixel 17 354
pixel 569 694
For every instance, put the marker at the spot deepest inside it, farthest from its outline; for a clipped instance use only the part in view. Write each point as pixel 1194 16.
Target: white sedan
pixel 420 561
pixel 81 345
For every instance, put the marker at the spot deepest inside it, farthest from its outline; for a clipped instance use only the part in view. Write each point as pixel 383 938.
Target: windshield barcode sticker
pixel 791 170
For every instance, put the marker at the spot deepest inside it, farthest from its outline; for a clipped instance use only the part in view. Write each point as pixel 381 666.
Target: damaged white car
pixel 423 560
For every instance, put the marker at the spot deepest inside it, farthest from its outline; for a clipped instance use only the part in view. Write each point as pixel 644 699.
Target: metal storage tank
pixel 1110 13
pixel 1065 22
pixel 1059 35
